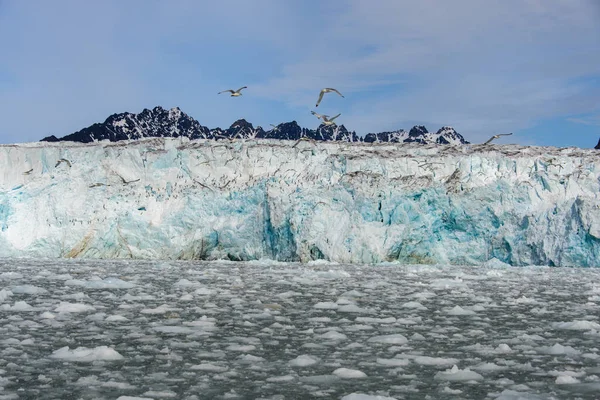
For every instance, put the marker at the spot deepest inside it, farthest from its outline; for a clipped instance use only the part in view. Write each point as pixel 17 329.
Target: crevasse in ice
pixel 344 202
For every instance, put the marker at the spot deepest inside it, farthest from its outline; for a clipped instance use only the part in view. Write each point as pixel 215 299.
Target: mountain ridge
pixel 160 122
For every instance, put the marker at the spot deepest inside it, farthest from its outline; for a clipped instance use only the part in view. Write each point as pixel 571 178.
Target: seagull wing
pixel 504 134
pixel 274 126
pixel 335 90
pixel 240 89
pixel 331 119
pixel 320 97
pixel 490 140
pixel 224 91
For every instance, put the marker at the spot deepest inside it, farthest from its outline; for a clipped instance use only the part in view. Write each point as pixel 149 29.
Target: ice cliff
pixel 345 202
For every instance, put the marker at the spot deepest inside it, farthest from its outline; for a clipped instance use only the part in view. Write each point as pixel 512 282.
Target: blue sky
pixel 531 67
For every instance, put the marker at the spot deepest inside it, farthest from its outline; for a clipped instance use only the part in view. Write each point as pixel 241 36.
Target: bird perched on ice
pixel 327 90
pixel 497 136
pixel 329 121
pixel 234 93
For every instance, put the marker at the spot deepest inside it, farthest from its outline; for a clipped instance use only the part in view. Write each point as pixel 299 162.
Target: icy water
pixel 183 330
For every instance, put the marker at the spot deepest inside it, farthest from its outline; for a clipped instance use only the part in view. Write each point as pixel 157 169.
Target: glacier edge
pixel 345 202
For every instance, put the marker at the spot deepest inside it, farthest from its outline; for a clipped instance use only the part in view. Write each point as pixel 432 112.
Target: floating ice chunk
pixel 393 362
pixel 84 354
pixel 503 348
pixel 47 315
pixel 449 390
pixel 333 335
pixel 244 348
pixel 437 361
pixel 417 336
pixel 509 394
pixel 10 275
pixel 185 283
pixel 558 349
pixel 118 385
pixel 28 289
pixel 326 305
pixel 209 367
pixel 107 283
pixel 458 310
pixel 162 309
pixel 304 361
pixel 133 398
pixel 65 307
pixel 415 305
pixel 284 378
pixel 352 294
pixel 394 338
pixel 489 367
pixel 360 396
pixel 448 284
pixel 347 373
pixel 116 318
pixel 577 325
pixel 495 263
pixel 186 297
pixel 525 300
pixel 353 308
pixel 18 306
pixel 457 375
pixel 288 294
pixel 320 319
pixel 91 380
pixel 5 294
pixel 204 323
pixel 566 380
pixel 173 329
pixel 371 320
pixel 249 359
pixel 203 291
pixel 163 394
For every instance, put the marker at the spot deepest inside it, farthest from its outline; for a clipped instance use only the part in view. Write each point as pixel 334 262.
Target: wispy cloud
pixel 586 120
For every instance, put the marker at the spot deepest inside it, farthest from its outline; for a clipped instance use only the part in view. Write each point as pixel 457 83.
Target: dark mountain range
pixel 160 122
pixel 598 145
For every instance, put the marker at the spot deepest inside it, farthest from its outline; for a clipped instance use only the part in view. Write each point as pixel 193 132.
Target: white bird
pixel 497 136
pixel 319 116
pixel 61 161
pixel 234 93
pixel 329 121
pixel 326 90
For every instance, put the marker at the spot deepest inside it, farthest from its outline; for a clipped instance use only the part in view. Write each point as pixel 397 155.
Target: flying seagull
pixel 319 116
pixel 234 93
pixel 28 172
pixel 326 90
pixel 63 160
pixel 497 136
pixel 329 121
pixel 302 139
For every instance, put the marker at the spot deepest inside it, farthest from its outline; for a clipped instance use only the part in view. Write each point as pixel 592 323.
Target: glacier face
pixel 345 202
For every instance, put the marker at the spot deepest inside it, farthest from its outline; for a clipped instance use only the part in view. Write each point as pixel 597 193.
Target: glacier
pixel 175 198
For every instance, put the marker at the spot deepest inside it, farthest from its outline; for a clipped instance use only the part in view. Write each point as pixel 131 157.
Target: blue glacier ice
pixel 343 202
